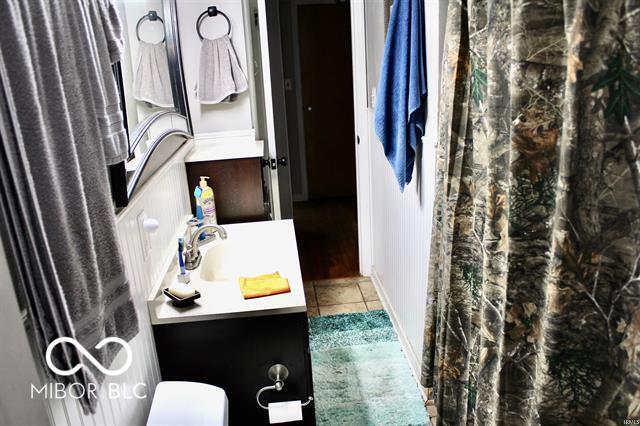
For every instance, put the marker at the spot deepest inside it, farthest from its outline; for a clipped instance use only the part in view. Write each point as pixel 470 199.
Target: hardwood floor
pixel 327 235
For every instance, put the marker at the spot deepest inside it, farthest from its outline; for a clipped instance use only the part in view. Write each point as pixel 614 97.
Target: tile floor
pixel 430 404
pixel 341 296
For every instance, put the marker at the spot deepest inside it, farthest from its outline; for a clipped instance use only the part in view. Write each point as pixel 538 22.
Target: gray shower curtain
pixel 59 127
pixel 533 313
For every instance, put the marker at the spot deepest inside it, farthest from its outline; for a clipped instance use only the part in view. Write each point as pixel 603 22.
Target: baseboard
pixel 412 358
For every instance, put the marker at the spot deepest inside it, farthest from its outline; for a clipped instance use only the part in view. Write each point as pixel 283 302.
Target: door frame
pixel 363 136
pixel 361 124
pixel 360 120
pixel 268 107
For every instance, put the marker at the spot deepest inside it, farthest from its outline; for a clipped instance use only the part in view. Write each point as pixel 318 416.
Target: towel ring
pixel 151 16
pixel 211 11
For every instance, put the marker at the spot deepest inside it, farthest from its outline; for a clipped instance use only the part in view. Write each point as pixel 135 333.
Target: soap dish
pixel 181 302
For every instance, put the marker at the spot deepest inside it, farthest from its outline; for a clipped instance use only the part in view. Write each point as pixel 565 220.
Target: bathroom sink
pixel 221 261
pixel 226 260
pixel 251 249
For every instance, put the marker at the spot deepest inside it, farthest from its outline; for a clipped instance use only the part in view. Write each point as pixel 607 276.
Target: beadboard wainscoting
pixel 401 239
pixel 165 197
pixel 401 221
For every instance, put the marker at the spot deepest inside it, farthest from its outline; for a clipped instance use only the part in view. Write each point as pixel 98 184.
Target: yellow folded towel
pixel 263 285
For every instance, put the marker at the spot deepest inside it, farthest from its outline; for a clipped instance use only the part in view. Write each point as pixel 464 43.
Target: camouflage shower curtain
pixel 533 313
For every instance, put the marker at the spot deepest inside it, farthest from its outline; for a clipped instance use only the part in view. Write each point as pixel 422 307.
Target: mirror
pixel 145 67
pixel 151 85
pixel 160 85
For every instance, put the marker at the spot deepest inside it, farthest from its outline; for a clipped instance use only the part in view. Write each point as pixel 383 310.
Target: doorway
pixel 317 73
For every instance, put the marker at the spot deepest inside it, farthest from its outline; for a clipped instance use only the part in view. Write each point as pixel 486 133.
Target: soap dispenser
pixel 207 202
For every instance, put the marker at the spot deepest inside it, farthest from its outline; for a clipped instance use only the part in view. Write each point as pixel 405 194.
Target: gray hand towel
pixel 152 83
pixel 220 77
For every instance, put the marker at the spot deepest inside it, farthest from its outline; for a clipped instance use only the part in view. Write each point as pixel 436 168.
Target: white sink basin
pixel 229 259
pixel 251 249
pixel 220 262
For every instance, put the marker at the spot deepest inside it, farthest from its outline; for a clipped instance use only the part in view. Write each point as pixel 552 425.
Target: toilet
pixel 188 404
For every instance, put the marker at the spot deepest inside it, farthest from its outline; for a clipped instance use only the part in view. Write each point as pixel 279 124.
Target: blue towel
pixel 402 90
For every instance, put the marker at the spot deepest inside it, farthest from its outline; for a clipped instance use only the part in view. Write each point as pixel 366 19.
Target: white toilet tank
pixel 188 404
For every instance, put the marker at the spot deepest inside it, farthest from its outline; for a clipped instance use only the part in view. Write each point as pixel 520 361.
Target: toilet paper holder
pixel 278 373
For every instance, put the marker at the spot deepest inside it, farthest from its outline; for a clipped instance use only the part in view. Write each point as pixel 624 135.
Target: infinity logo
pixel 87 355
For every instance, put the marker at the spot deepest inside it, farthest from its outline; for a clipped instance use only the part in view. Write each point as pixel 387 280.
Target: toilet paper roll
pixel 287 411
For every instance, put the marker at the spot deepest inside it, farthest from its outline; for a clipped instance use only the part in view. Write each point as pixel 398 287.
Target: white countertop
pixel 225 150
pixel 253 248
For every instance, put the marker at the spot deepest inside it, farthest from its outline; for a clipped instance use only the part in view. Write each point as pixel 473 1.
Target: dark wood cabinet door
pixel 237 187
pixel 235 355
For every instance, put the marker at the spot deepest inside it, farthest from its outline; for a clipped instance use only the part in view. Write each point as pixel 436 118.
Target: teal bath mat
pixel 360 375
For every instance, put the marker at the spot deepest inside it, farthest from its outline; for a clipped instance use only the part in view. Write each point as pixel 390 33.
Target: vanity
pixel 227 341
pixel 222 339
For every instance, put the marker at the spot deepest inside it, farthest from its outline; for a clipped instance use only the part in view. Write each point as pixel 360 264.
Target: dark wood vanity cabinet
pixel 237 185
pixel 235 355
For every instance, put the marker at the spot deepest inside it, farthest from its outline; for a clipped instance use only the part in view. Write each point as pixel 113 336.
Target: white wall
pixel 225 116
pixel 374 17
pixel 401 222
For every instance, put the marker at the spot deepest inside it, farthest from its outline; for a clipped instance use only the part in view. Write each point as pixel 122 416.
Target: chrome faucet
pixel 192 255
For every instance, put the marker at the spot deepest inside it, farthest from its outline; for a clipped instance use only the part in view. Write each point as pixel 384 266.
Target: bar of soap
pixel 181 290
